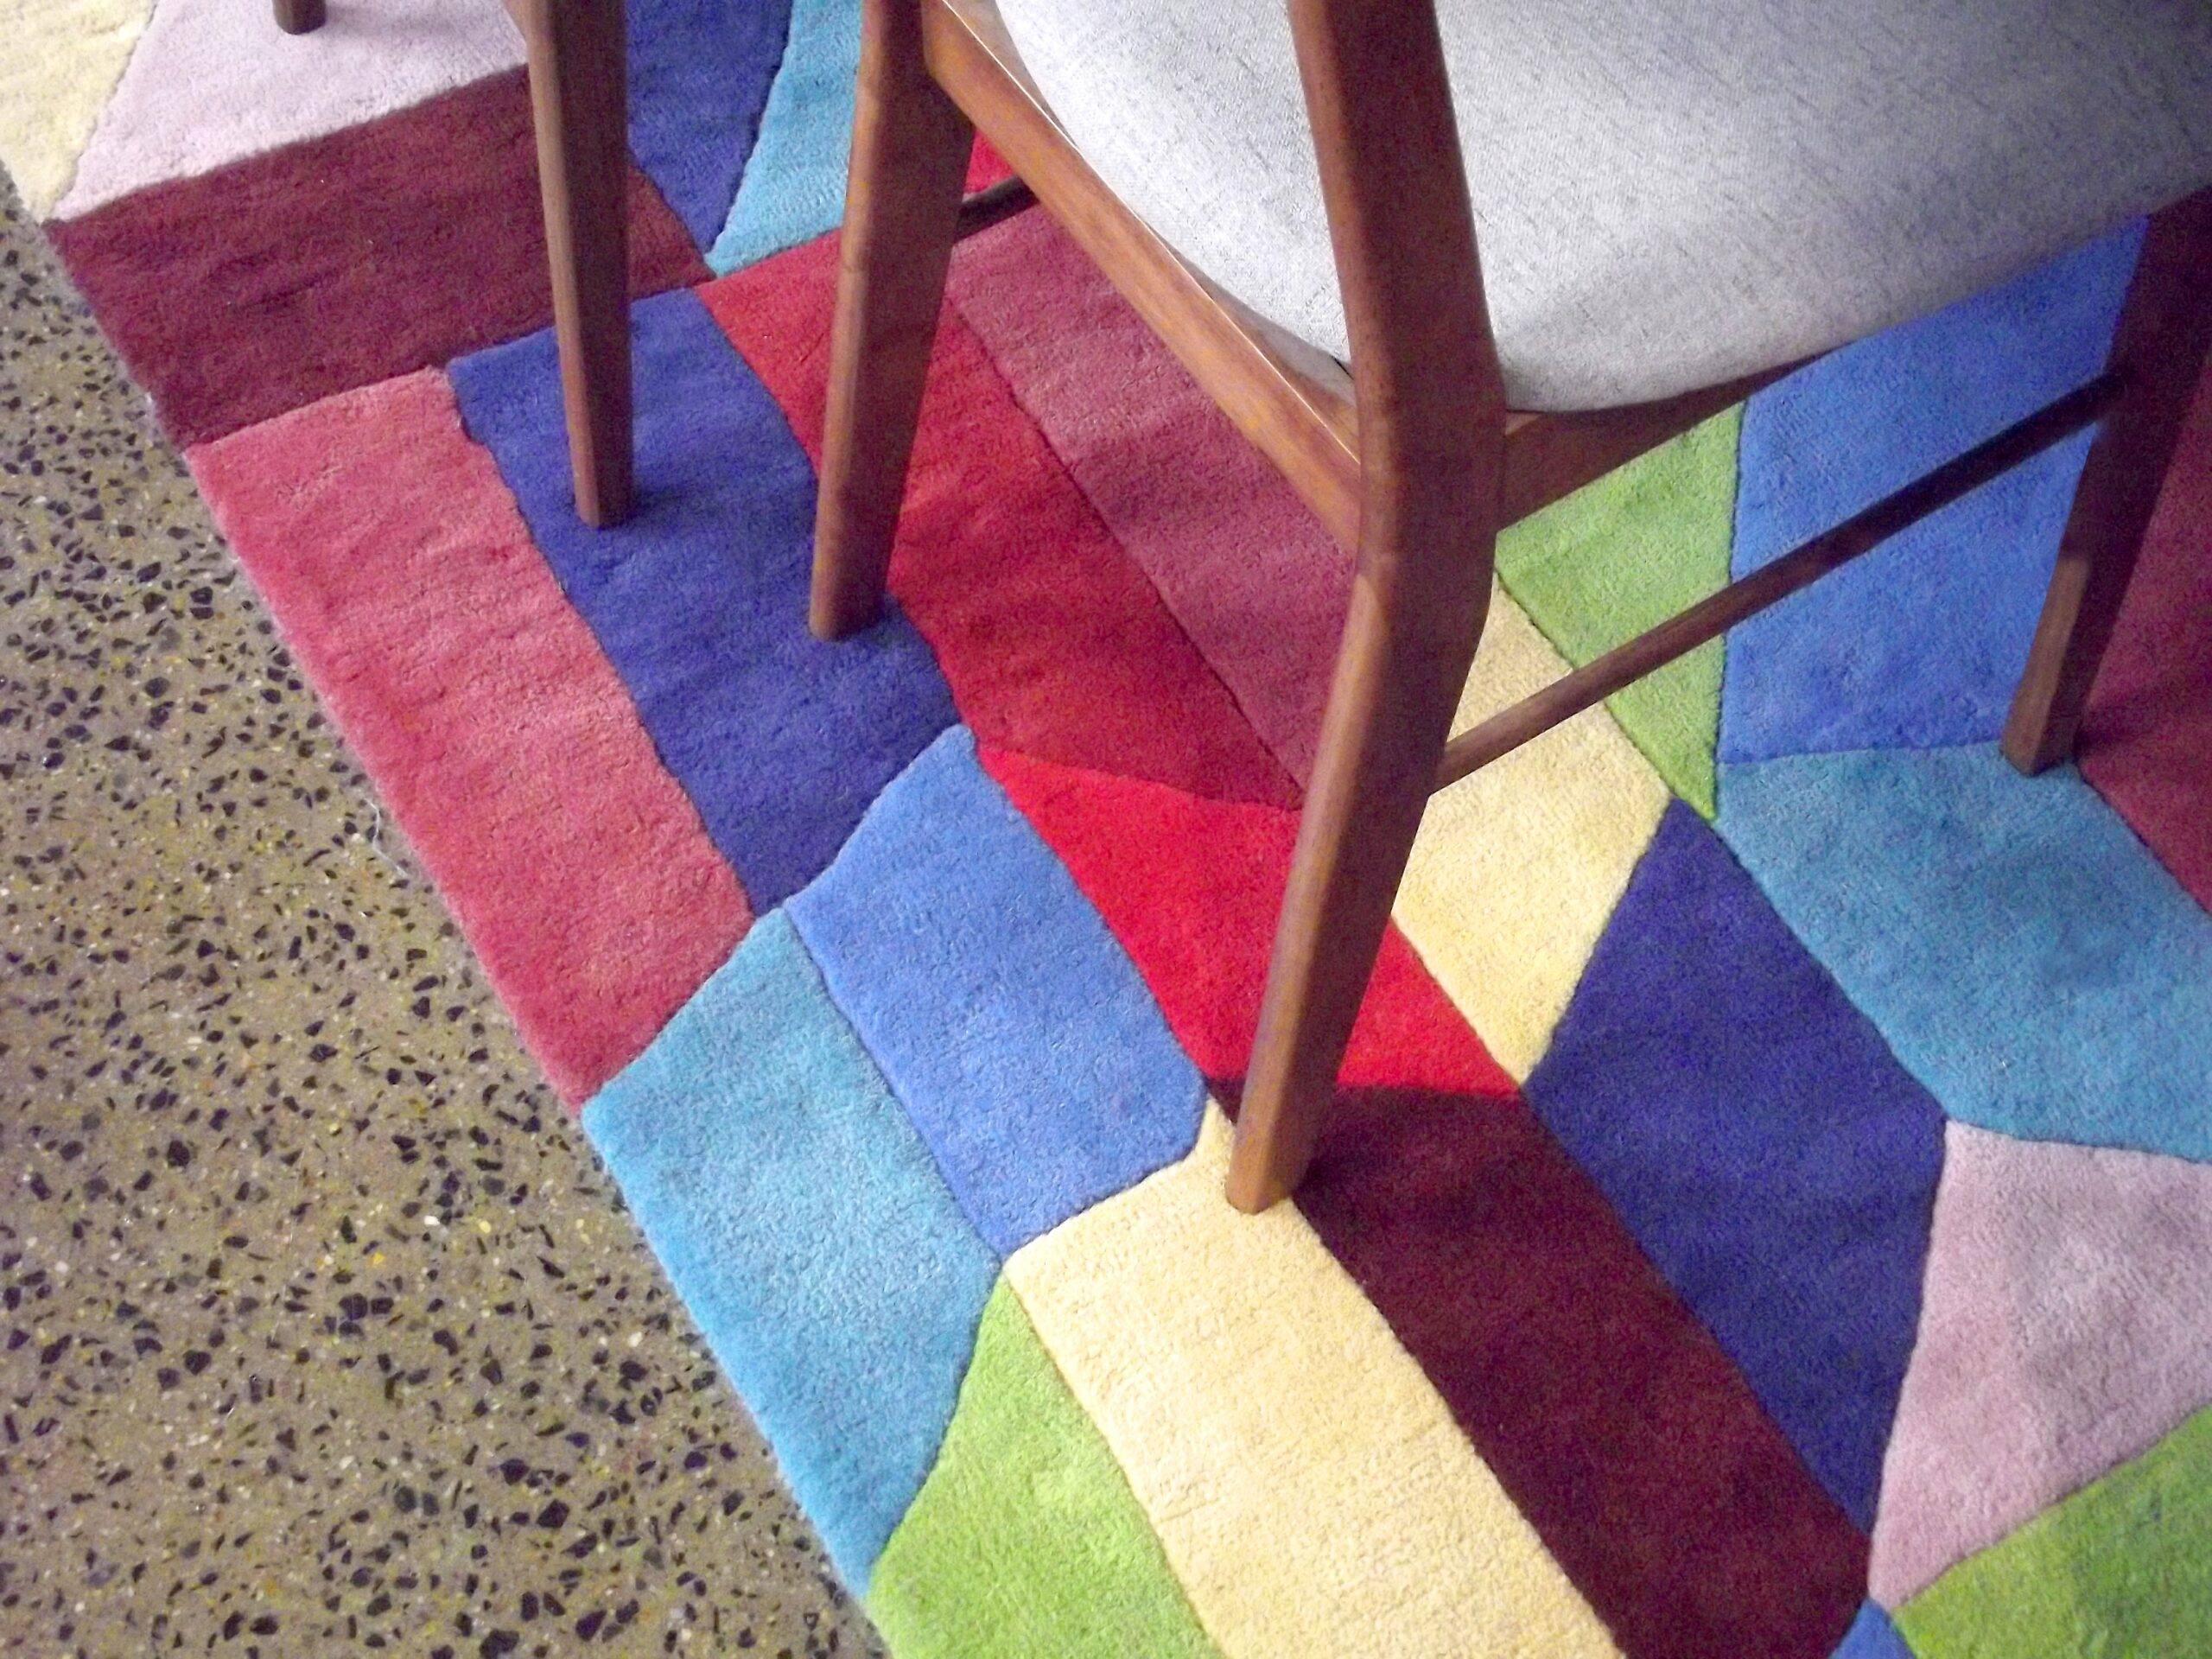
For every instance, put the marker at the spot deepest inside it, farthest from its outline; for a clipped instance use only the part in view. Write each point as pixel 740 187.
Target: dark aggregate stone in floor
pixel 320 1330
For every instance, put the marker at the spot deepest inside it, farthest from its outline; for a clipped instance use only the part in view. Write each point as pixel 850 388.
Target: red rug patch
pixel 1192 889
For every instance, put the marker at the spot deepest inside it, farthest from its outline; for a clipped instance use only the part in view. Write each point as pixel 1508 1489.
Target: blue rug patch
pixel 700 71
pixel 700 600
pixel 2025 956
pixel 1759 1138
pixel 808 1232
pixel 1873 1636
pixel 1920 642
pixel 1008 1021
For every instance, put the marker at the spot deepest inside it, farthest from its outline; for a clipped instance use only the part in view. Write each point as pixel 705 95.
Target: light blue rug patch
pixel 794 187
pixel 1919 642
pixel 2025 956
pixel 1873 1636
pixel 1008 1021
pixel 807 1230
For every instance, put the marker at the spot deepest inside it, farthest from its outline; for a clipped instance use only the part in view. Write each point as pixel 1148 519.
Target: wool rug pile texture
pixel 1768 1210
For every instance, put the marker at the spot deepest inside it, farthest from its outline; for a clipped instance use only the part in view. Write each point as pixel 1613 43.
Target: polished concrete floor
pixel 320 1330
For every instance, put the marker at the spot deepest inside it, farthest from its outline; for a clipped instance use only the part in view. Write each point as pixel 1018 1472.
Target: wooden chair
pixel 578 87
pixel 1413 459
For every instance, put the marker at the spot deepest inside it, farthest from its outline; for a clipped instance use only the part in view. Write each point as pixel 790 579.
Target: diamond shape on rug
pixel 64 58
pixel 1759 1139
pixel 2118 1568
pixel 1517 869
pixel 1190 887
pixel 2067 1325
pixel 343 260
pixel 1054 641
pixel 1919 644
pixel 1026 1540
pixel 196 96
pixel 1610 1415
pixel 699 76
pixel 2023 954
pixel 1008 1021
pixel 394 562
pixel 807 1231
pixel 1308 1486
pixel 1873 1636
pixel 700 599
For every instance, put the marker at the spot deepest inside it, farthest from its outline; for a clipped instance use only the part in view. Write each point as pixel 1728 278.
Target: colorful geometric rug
pixel 1770 1207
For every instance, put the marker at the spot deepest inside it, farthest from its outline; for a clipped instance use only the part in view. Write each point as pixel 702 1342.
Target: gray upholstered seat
pixel 1668 193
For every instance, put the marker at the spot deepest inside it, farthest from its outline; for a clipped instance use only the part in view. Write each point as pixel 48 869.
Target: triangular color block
pixel 2065 1325
pixel 2118 1568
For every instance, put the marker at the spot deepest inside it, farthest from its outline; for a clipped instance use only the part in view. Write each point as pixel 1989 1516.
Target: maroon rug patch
pixel 342 261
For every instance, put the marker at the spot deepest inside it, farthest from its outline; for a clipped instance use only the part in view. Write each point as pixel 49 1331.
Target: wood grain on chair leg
pixel 578 93
pixel 2165 329
pixel 299 17
pixel 1432 423
pixel 902 206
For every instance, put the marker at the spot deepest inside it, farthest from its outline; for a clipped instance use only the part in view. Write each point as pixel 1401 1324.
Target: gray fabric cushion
pixel 1668 193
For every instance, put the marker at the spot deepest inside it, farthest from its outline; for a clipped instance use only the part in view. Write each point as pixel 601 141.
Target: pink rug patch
pixel 395 562
pixel 1245 566
pixel 2066 1325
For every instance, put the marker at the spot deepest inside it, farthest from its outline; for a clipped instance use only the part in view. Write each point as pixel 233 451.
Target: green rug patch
pixel 1026 1539
pixel 1623 554
pixel 2119 1567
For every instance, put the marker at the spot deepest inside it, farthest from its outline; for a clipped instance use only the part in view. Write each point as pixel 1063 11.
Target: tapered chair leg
pixel 902 204
pixel 1409 640
pixel 299 17
pixel 2165 329
pixel 578 94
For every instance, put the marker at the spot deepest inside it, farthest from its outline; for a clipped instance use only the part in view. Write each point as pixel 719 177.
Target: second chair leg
pixel 299 17
pixel 1409 641
pixel 902 205
pixel 2165 329
pixel 578 94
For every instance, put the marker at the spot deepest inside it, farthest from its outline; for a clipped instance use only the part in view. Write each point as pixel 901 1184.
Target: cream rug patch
pixel 63 60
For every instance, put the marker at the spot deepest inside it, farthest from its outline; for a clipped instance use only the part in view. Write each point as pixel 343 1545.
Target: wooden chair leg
pixel 578 94
pixel 299 17
pixel 902 204
pixel 2165 329
pixel 1409 639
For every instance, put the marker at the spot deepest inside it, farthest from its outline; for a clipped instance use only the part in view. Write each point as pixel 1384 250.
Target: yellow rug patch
pixel 1307 1482
pixel 1517 867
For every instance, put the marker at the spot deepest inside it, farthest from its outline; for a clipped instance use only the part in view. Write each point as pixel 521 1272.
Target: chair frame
pixel 1413 461
pixel 578 94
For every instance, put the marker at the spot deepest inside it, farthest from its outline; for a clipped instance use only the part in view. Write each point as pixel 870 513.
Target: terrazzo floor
pixel 320 1330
